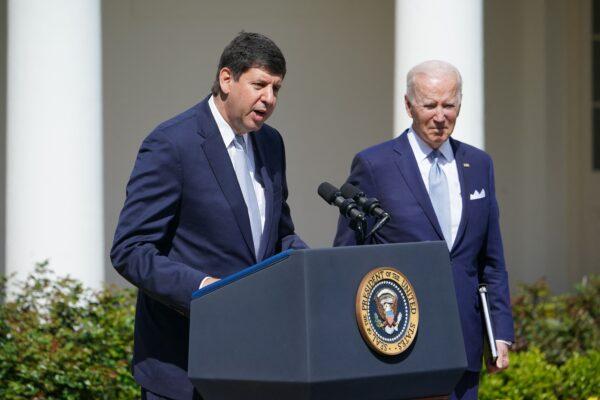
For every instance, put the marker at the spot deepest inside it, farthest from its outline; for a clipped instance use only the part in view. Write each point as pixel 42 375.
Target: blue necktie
pixel 242 171
pixel 440 195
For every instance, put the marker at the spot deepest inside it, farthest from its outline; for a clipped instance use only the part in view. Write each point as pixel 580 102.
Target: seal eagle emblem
pixel 387 308
pixel 387 311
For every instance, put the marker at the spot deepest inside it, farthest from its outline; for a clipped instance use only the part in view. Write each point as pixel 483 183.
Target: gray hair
pixel 435 68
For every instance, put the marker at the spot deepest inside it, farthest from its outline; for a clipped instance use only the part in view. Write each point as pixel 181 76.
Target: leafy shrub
pixel 581 376
pixel 556 354
pixel 530 376
pixel 59 340
pixel 558 325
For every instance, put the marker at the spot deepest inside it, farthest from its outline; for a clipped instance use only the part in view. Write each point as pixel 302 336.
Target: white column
pixel 443 30
pixel 54 138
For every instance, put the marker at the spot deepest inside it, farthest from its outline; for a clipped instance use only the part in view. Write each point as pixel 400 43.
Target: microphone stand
pixel 385 218
pixel 370 206
pixel 359 226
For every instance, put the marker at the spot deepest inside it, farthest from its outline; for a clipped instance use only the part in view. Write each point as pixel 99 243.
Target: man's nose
pixel 439 115
pixel 268 95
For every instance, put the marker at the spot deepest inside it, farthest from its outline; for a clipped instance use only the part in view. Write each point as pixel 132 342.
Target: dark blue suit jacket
pixel 389 172
pixel 185 218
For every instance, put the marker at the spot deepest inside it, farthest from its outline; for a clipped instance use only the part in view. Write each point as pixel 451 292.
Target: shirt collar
pixel 421 149
pixel 225 129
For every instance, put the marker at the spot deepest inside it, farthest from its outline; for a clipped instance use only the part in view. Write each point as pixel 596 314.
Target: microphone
pixel 370 206
pixel 333 196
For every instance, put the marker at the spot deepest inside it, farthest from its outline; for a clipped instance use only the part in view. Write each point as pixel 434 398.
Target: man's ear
pixel 225 80
pixel 408 105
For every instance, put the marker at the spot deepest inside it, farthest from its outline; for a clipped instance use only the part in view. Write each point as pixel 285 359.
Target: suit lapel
pixel 221 167
pixel 260 154
pixel 409 169
pixel 459 158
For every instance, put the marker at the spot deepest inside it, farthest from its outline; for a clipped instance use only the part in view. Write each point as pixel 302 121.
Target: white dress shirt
pixel 228 138
pixel 421 151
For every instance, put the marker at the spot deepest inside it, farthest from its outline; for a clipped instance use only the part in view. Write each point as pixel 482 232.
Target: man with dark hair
pixel 206 198
pixel 242 54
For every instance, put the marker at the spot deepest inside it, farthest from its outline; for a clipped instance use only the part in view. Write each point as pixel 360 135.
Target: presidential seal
pixel 387 311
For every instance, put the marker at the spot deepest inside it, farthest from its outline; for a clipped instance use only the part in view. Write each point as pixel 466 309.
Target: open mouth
pixel 259 116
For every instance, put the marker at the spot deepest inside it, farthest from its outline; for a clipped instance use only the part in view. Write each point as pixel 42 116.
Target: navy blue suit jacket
pixel 185 218
pixel 389 172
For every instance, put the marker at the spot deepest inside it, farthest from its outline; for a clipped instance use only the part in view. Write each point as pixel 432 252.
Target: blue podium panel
pixel 287 328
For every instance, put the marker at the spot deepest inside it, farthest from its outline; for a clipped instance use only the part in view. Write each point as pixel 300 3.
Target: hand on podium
pixel 207 281
pixel 502 360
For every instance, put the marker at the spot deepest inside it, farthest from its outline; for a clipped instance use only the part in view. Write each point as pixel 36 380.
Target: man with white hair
pixel 437 188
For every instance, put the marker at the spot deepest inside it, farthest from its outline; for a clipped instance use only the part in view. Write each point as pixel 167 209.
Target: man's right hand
pixel 207 281
pixel 502 361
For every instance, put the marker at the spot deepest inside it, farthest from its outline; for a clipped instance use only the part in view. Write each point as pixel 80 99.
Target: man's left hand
pixel 501 361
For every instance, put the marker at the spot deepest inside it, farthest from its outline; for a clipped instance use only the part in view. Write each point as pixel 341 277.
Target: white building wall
pixel 2 133
pixel 538 129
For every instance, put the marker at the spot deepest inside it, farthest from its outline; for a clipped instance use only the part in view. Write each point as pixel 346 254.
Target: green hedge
pixel 59 340
pixel 531 376
pixel 557 346
pixel 559 325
